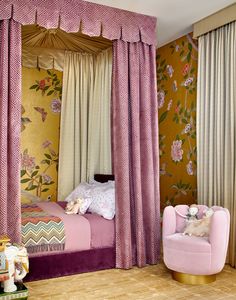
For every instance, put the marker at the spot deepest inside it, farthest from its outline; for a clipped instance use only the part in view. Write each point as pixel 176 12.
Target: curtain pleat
pixel 135 154
pixel 216 124
pixel 10 124
pixel 85 142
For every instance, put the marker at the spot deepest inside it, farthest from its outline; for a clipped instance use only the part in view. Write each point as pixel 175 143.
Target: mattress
pixel 82 232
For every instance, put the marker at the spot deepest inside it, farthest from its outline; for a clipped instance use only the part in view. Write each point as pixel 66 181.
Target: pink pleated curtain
pixel 134 116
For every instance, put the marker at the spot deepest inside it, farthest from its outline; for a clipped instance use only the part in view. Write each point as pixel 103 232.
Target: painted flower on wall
pixel 42 84
pixel 177 151
pixel 169 70
pixel 188 81
pixel 169 104
pixel 161 99
pixel 27 162
pixel 185 69
pixel 187 128
pixel 56 106
pixel 189 168
pixel 174 86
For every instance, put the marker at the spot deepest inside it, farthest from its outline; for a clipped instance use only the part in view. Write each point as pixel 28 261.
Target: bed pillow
pixel 103 202
pixel 81 191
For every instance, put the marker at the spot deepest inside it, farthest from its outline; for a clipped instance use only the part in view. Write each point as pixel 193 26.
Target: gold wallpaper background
pixel 176 82
pixel 40 122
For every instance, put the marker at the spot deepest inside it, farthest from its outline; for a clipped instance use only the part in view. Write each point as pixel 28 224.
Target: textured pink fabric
pixel 77 228
pixel 102 231
pixel 195 255
pixel 10 124
pixel 135 150
pixel 93 19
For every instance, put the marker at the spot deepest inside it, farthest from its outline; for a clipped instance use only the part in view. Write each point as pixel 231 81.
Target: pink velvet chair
pixel 192 259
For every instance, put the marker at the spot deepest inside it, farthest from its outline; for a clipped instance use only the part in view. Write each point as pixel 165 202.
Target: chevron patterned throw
pixel 41 231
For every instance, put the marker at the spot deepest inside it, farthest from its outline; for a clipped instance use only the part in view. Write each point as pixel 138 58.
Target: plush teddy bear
pixel 73 207
pixel 200 227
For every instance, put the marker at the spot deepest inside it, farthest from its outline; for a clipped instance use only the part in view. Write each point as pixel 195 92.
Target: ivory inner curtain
pixel 216 124
pixel 85 138
pixel 135 154
pixel 10 124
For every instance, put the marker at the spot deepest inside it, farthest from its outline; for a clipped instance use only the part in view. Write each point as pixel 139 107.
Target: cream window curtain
pixel 216 124
pixel 85 139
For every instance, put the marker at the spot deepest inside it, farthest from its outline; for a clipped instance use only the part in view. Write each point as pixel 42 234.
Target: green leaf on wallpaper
pixel 37 88
pixel 33 86
pixel 22 173
pixel 49 73
pixel 163 116
pixel 45 190
pixel 34 173
pixel 183 141
pixel 181 53
pixel 192 70
pixel 46 87
pixel 45 161
pixel 184 121
pixel 190 91
pixel 25 180
pixel 181 110
pixel 177 137
pixel 48 183
pixel 50 93
pixel 190 47
pixel 189 57
pixel 158 56
pixel 57 88
pixel 32 187
pixel 37 167
pixel 162 62
pixel 40 179
pixel 48 156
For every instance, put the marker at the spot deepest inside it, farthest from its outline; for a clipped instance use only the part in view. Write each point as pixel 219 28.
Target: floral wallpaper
pixel 176 82
pixel 40 121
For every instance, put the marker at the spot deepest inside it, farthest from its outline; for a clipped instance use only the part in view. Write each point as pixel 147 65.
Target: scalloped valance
pixel 77 15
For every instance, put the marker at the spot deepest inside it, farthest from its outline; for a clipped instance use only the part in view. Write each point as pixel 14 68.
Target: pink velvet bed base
pixel 89 246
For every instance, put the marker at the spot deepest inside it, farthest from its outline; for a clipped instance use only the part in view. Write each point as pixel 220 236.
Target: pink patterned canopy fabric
pixel 135 154
pixel 73 15
pixel 134 100
pixel 10 125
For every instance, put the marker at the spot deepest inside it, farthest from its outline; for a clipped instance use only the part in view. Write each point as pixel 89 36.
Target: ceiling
pixel 174 17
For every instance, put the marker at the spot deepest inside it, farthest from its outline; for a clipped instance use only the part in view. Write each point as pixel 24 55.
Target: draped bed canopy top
pixel 77 15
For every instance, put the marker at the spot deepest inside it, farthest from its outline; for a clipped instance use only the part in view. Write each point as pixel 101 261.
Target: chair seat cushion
pixel 187 243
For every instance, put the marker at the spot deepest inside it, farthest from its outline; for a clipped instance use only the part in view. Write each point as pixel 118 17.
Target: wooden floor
pixel 152 282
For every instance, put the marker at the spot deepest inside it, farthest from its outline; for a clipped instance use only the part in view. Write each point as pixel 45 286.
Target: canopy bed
pixel 134 121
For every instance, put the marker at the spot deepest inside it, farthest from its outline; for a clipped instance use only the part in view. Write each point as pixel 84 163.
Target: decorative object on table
pixel 14 264
pixel 181 251
pixel 21 293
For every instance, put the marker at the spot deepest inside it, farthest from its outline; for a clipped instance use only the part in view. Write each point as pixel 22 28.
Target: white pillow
pixel 103 202
pixel 81 191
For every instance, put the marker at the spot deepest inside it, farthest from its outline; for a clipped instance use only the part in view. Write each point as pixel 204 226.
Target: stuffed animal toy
pixel 73 207
pixel 192 213
pixel 200 227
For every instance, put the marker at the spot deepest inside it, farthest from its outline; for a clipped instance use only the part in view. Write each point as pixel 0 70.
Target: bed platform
pixel 89 244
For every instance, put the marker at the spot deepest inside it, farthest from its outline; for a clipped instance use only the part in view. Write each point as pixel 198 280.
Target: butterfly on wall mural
pixel 24 120
pixel 42 111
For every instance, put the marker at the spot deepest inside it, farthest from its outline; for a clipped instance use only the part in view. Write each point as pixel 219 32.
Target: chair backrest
pixel 181 212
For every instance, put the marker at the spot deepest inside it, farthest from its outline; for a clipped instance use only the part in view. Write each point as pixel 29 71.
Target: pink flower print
pixel 46 178
pixel 161 98
pixel 174 86
pixel 56 105
pixel 169 70
pixel 188 81
pixel 176 48
pixel 189 168
pixel 169 104
pixel 46 144
pixel 185 69
pixel 187 128
pixel 42 84
pixel 177 109
pixel 177 151
pixel 27 162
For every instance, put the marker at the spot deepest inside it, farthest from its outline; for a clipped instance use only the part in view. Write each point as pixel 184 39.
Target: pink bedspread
pixel 83 232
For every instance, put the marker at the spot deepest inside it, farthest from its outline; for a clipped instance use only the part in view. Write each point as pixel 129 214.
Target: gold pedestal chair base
pixel 193 279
